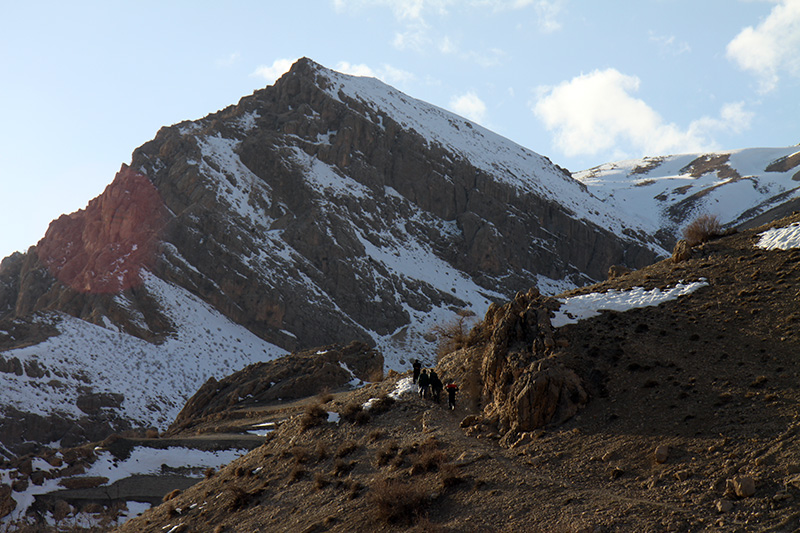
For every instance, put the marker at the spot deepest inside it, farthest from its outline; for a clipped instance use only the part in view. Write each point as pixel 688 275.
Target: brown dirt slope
pixel 711 381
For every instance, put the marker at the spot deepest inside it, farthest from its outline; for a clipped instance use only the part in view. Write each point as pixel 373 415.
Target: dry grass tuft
pixel 396 502
pixel 346 449
pixel 313 415
pixel 355 414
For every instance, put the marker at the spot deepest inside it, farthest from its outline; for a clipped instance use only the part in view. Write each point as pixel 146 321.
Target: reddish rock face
pixel 103 248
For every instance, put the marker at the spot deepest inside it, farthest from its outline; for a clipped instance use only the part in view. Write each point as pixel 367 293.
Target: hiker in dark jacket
pixel 424 383
pixel 417 367
pixel 452 388
pixel 436 386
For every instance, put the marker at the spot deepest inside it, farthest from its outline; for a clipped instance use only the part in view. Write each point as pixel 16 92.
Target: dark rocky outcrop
pixel 298 375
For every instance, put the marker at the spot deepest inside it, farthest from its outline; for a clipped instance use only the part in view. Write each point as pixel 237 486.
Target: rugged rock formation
pixel 298 375
pixel 516 367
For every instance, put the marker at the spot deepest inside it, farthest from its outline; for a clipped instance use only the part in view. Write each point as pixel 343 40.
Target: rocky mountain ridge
pixel 326 208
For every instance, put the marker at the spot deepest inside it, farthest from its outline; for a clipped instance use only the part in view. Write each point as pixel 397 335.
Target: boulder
pixel 661 453
pixel 682 251
pixel 741 486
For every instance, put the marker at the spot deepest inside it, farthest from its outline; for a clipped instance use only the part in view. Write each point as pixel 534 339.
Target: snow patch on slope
pixel 576 308
pixel 142 461
pixel 785 238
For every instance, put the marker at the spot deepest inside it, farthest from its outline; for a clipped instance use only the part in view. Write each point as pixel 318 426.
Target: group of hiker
pixel 430 386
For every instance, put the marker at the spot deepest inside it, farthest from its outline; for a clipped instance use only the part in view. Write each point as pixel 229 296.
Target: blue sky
pixel 580 81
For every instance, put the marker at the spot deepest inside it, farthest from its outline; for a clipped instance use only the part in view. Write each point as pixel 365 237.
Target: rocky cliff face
pixel 325 208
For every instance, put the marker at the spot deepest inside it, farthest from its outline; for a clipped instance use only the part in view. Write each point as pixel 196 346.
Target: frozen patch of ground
pixel 404 387
pixel 785 238
pixel 588 305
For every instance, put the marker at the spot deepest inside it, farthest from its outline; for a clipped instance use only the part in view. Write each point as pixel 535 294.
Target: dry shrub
pixel 301 454
pixel 355 414
pixel 353 488
pixel 702 229
pixel 209 472
pixel 375 435
pixel 455 334
pixel 238 498
pixel 342 467
pixel 151 433
pixel 170 495
pixel 324 396
pixel 321 451
pixel 321 481
pixel 313 415
pixel 297 473
pixel 381 404
pixel 428 461
pixel 346 449
pixel 386 453
pixel 396 502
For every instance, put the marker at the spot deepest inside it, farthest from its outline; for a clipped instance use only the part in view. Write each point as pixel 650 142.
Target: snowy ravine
pixel 155 379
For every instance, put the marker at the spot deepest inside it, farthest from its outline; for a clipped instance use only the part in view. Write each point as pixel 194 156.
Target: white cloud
pixel 387 73
pixel 596 113
pixel 414 36
pixel 271 73
pixel 771 48
pixel 470 106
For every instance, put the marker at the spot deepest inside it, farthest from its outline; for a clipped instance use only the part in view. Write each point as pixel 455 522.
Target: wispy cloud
pixel 414 16
pixel 771 48
pixel 670 45
pixel 469 105
pixel 596 113
pixel 386 73
pixel 270 73
pixel 230 60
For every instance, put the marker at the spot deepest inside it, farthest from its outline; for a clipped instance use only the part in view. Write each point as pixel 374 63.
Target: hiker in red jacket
pixel 452 388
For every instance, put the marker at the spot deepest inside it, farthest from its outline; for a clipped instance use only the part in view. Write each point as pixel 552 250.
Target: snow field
pixel 155 379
